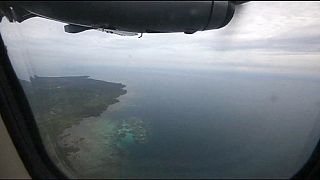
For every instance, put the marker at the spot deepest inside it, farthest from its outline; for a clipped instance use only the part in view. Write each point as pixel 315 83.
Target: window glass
pixel 239 102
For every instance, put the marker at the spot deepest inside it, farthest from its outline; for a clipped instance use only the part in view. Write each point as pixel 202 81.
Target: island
pixel 60 102
pixel 61 105
pixel 66 100
pixel 64 106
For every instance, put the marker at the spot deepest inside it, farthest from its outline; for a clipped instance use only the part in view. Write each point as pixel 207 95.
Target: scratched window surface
pixel 238 102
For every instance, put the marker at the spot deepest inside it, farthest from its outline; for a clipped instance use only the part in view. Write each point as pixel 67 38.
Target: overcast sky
pixel 277 37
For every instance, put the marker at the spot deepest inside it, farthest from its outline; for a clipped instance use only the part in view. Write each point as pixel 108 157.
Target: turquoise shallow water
pixel 126 141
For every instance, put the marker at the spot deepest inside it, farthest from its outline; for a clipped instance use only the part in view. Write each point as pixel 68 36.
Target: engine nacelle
pixel 131 16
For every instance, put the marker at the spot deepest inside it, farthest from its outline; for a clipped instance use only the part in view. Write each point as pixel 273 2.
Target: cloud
pixel 274 36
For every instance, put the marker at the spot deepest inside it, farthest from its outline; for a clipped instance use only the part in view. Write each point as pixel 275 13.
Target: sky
pixel 264 37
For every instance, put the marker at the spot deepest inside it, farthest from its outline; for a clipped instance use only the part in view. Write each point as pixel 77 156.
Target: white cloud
pixel 263 36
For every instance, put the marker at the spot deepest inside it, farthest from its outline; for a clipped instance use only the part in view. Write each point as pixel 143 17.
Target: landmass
pixel 67 100
pixel 59 103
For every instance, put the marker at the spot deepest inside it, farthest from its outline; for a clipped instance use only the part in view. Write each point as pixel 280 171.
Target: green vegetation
pixel 60 102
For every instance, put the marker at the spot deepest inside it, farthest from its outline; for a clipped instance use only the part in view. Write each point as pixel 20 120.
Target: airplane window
pixel 242 101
